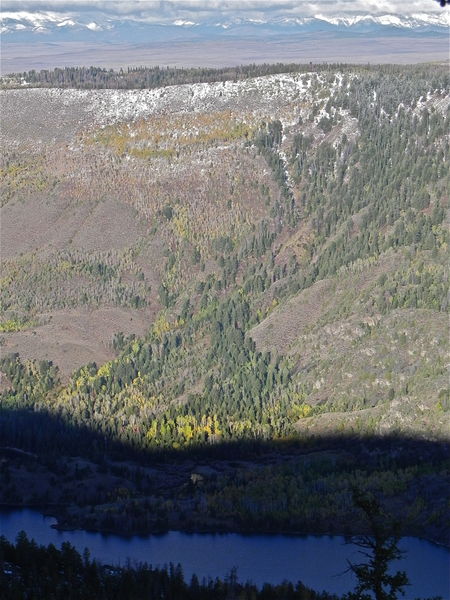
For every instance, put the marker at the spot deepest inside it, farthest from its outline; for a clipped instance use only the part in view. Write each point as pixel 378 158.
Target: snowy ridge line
pixel 410 22
pixel 44 21
pixel 109 106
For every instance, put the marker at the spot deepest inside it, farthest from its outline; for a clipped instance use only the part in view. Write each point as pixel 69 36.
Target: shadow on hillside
pixel 44 434
pixel 253 478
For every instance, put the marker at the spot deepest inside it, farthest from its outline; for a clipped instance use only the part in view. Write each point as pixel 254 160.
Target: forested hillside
pixel 141 77
pixel 247 261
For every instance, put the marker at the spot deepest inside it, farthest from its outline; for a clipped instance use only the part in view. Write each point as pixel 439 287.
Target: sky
pixel 162 11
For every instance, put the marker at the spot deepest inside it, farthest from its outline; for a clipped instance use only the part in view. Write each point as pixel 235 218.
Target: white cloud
pixel 194 10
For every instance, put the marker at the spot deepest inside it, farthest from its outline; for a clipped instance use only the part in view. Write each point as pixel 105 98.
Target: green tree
pixel 380 547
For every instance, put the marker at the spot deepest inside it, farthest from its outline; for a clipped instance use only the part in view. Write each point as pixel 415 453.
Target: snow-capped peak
pixel 48 21
pixel 94 26
pixel 181 23
pixel 410 22
pixel 66 23
pixel 35 19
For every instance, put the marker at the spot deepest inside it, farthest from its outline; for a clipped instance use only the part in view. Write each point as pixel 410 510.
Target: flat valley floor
pixel 316 48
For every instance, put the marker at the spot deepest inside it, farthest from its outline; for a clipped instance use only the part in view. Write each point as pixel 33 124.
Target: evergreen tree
pixel 380 547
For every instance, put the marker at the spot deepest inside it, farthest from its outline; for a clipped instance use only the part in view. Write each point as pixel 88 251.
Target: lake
pixel 318 561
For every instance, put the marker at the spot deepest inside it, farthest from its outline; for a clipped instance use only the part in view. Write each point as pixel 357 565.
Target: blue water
pixel 318 561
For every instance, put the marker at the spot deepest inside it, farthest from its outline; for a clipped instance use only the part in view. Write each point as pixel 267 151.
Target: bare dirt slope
pixel 57 222
pixel 281 329
pixel 72 338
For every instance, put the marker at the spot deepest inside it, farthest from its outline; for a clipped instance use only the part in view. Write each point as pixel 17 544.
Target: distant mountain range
pixel 23 26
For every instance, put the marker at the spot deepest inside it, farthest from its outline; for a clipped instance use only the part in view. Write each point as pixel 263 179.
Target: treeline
pixel 154 77
pixel 31 571
pixel 146 77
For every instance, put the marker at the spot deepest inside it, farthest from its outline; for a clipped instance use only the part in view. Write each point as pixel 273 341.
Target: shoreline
pixel 61 526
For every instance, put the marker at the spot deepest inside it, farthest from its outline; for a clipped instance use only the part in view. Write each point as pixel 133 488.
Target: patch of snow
pixel 94 26
pixel 413 21
pixel 181 23
pixel 35 19
pixel 110 106
pixel 289 181
pixel 66 23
